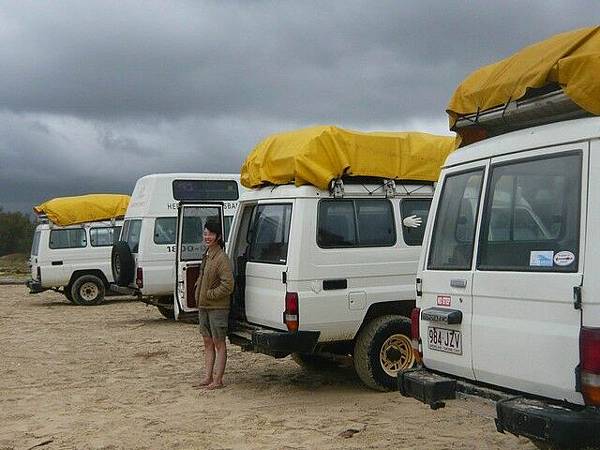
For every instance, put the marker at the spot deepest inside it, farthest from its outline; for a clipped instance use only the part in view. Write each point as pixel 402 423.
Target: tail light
pixel 589 347
pixel 139 278
pixel 39 274
pixel 414 332
pixel 290 315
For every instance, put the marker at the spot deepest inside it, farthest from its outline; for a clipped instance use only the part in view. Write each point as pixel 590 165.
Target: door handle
pixel 458 283
pixel 57 263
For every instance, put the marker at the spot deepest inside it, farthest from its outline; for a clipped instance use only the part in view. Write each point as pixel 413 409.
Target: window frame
pixel 68 230
pixel 477 167
pixel 356 227
pixel 487 205
pixel 105 228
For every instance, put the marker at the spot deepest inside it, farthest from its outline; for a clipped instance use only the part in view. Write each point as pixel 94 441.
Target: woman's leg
pixel 221 360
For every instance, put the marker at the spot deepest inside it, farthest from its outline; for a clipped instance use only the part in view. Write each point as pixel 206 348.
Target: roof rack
pixel 532 110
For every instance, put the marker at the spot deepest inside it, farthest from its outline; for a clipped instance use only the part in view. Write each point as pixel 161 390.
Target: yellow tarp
pixel 571 59
pixel 84 208
pixel 320 154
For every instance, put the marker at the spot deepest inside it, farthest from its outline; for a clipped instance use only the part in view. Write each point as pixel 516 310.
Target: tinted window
pixel 35 245
pixel 269 233
pixel 104 236
pixel 531 217
pixel 454 229
pixel 205 190
pixel 413 235
pixel 70 238
pixel 165 229
pixel 131 234
pixel 356 223
pixel 192 240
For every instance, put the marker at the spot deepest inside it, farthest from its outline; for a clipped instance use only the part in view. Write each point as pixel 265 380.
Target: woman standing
pixel 213 290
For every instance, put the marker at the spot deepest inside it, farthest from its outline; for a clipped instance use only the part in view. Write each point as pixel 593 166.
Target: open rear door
pixel 191 219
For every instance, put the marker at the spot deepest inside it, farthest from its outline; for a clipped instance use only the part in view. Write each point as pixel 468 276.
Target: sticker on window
pixel 541 258
pixel 564 258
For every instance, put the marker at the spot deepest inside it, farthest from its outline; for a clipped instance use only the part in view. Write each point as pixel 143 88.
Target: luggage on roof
pixel 65 211
pixel 561 72
pixel 320 154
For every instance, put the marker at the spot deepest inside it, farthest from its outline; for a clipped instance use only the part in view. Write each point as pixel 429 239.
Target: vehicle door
pixel 266 266
pixel 529 266
pixel 191 219
pixel 446 275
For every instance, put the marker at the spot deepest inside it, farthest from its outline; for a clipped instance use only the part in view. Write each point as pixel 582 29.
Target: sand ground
pixel 118 375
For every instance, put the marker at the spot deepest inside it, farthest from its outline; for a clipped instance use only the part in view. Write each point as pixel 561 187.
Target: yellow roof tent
pixel 320 154
pixel 65 211
pixel 569 60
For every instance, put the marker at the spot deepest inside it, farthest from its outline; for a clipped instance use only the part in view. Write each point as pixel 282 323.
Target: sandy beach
pixel 119 376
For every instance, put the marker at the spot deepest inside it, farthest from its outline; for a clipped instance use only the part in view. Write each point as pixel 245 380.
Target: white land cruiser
pixel 143 261
pixel 73 260
pixel 321 273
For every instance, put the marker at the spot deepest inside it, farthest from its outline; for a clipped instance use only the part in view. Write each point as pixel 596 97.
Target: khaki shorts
pixel 213 323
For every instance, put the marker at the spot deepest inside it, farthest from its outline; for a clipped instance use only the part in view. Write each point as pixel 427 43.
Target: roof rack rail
pixel 532 110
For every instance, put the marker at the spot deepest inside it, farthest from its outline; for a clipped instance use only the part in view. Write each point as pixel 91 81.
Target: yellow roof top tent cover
pixel 320 154
pixel 65 211
pixel 571 60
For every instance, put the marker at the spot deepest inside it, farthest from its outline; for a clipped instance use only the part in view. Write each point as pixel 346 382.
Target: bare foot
pixel 203 382
pixel 215 385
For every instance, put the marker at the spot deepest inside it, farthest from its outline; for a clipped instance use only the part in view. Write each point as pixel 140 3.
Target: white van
pixel 321 273
pixel 143 261
pixel 73 260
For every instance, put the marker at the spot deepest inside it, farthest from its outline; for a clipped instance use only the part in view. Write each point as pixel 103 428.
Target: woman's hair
pixel 214 226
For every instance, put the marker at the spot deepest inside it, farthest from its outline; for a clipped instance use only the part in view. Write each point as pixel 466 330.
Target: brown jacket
pixel 215 282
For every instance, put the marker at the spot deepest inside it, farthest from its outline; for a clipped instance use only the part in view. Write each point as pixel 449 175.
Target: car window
pixel 269 233
pixel 69 238
pixel 413 234
pixel 35 245
pixel 165 230
pixel 356 223
pixel 531 217
pixel 104 236
pixel 192 231
pixel 131 234
pixel 454 227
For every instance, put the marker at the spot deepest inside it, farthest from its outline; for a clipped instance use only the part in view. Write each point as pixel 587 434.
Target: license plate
pixel 444 340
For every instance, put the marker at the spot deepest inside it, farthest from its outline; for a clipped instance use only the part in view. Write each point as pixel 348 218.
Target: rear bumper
pixel 272 342
pixel 124 290
pixel 35 287
pixel 563 426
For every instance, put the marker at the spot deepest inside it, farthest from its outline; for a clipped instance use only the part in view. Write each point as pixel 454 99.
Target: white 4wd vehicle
pixel 320 274
pixel 73 260
pixel 143 261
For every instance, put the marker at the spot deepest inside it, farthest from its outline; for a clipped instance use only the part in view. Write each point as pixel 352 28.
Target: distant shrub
pixel 16 232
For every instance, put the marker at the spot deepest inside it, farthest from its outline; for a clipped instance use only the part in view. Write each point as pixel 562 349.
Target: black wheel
pixel 88 290
pixel 122 263
pixel 168 313
pixel 381 350
pixel 67 293
pixel 313 361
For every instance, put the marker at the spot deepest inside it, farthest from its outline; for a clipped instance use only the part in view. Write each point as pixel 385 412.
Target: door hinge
pixel 284 277
pixel 419 287
pixel 577 297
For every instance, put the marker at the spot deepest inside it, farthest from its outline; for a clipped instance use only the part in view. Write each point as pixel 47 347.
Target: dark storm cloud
pixel 95 94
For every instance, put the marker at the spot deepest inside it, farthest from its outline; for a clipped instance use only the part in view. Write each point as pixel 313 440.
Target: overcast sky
pixel 95 94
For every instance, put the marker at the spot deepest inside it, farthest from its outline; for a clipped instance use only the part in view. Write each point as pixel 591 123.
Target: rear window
pixel 70 238
pixel 269 233
pixel 35 245
pixel 104 236
pixel 356 223
pixel 165 229
pixel 131 234
pixel 205 190
pixel 419 208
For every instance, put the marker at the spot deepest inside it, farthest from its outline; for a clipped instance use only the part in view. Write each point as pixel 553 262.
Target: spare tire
pixel 122 263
